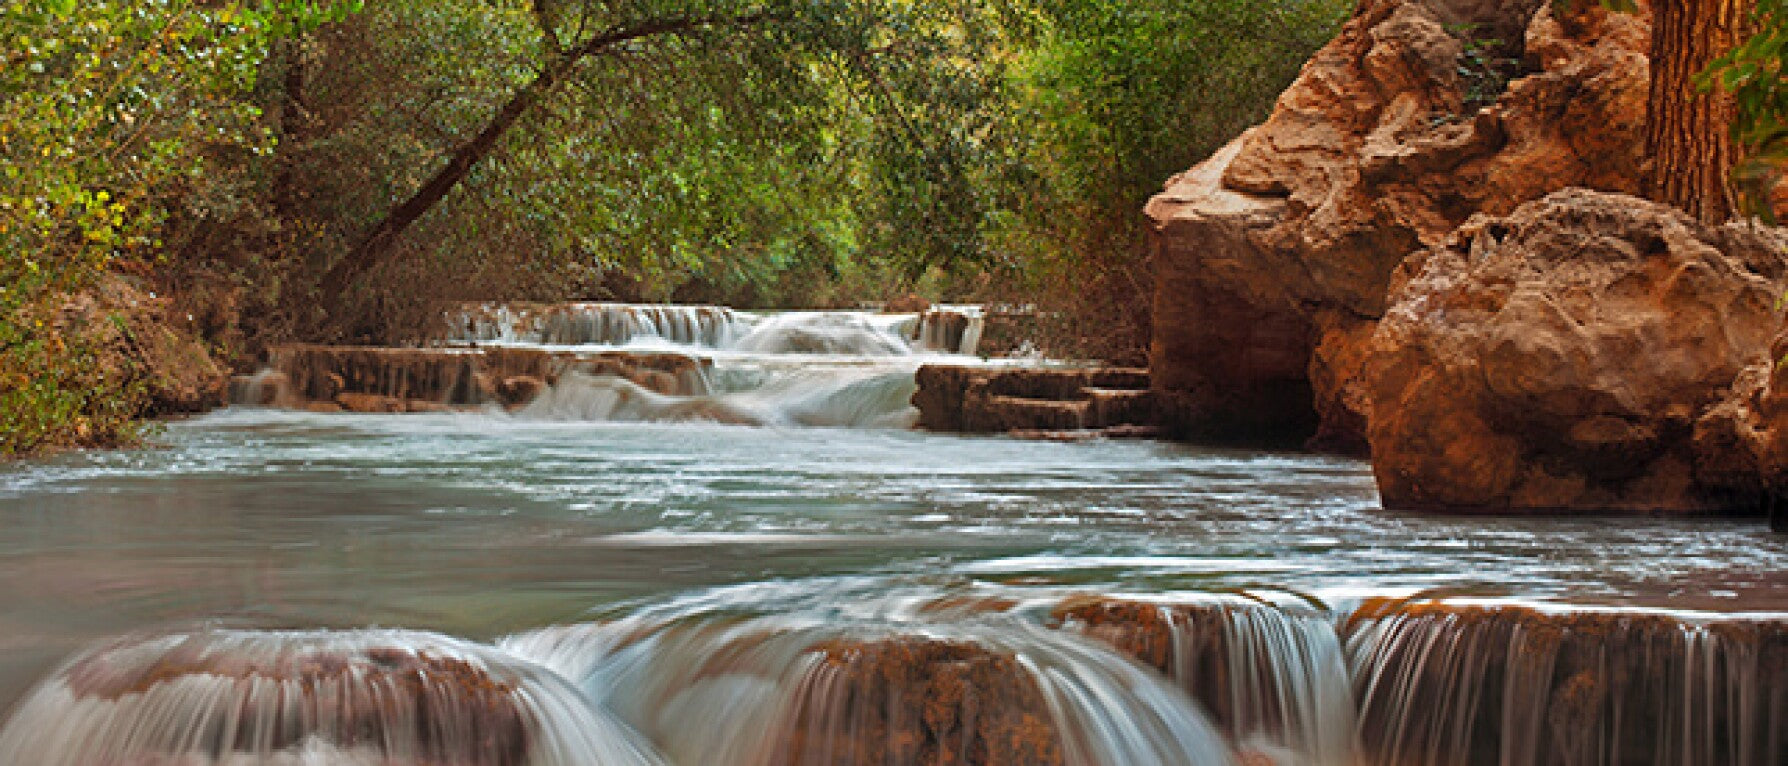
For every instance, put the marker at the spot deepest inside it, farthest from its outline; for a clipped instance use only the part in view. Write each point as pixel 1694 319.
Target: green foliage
pixel 1755 74
pixel 1114 99
pixel 1485 67
pixel 107 111
pixel 784 152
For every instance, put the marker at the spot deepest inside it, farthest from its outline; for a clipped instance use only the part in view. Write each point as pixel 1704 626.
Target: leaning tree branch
pixel 380 242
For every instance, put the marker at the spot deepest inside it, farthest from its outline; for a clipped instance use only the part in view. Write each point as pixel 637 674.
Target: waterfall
pixel 384 698
pixel 606 324
pixel 860 671
pixel 941 330
pixel 632 363
pixel 951 329
pixel 827 333
pixel 1465 683
pixel 1274 678
pixel 772 691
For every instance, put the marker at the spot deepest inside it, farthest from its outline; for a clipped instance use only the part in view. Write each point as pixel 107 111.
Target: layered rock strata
pixel 965 399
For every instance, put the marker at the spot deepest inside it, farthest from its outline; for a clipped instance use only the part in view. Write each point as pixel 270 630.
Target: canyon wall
pixel 1390 265
pixel 1274 256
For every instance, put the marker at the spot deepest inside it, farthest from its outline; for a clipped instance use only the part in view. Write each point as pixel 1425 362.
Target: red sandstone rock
pixel 1273 257
pixel 1559 359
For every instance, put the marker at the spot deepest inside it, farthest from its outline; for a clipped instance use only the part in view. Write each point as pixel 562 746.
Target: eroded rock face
pixel 1741 444
pixel 1273 257
pixel 1561 357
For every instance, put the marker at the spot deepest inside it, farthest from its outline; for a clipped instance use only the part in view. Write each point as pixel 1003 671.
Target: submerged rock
pixel 1273 256
pixel 1562 357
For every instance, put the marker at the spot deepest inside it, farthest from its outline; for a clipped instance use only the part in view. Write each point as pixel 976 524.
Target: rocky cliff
pixel 1428 253
pixel 1273 257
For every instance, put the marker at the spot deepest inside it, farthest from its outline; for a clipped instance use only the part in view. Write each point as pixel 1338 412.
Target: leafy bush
pixel 109 113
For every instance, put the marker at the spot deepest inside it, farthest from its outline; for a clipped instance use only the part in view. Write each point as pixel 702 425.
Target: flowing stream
pixel 615 576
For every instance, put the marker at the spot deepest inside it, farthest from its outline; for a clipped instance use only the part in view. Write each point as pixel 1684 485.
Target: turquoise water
pixel 482 524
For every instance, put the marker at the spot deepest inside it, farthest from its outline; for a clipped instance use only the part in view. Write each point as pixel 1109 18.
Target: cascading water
pixel 379 698
pixel 1472 683
pixel 840 596
pixel 944 329
pixel 884 678
pixel 1273 677
pixel 617 362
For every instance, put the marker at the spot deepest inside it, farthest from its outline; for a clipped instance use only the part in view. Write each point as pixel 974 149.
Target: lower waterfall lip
pixel 1114 693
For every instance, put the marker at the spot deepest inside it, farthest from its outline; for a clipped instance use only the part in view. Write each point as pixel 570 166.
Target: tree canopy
pixel 331 170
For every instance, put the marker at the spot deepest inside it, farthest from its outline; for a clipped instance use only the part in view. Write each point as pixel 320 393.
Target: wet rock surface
pixel 1274 256
pixel 965 399
pixel 370 379
pixel 1575 355
pixel 920 701
pixel 1268 678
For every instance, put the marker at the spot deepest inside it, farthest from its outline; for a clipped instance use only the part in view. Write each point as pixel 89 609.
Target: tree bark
pixel 1688 134
pixel 379 243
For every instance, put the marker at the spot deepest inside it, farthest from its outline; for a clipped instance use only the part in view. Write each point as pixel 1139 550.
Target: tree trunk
pixel 380 242
pixel 1688 134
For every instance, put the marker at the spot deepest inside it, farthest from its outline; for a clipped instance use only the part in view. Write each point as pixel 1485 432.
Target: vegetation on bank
pixel 328 170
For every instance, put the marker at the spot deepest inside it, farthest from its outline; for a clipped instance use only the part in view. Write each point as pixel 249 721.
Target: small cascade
pixel 1462 683
pixel 950 329
pixel 828 334
pixel 1274 679
pixel 861 671
pixel 384 698
pixel 606 324
pixel 876 683
pixel 633 363
pixel 835 397
pixel 940 330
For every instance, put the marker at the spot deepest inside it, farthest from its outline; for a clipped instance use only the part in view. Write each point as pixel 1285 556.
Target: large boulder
pixel 1273 257
pixel 1741 445
pixel 1560 358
